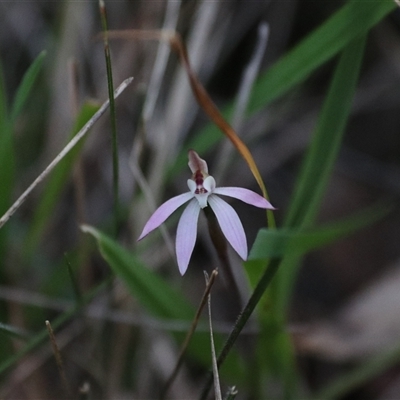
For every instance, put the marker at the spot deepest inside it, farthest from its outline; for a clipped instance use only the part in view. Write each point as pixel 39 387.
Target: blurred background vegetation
pixel 341 329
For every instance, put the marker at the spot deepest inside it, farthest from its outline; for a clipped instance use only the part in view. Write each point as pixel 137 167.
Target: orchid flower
pixel 202 193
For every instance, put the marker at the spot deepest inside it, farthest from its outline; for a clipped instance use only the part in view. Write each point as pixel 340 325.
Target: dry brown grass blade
pixel 189 334
pixel 59 361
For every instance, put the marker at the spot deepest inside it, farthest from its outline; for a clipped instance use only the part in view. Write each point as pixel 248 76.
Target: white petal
pixel 163 212
pixel 209 184
pixel 246 195
pixel 202 199
pixel 230 225
pixel 186 235
pixel 191 185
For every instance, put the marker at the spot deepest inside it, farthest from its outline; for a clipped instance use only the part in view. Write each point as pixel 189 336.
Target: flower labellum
pixel 202 193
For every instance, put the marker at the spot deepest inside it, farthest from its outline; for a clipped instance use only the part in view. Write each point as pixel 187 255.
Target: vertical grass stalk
pixel 113 116
pixel 244 317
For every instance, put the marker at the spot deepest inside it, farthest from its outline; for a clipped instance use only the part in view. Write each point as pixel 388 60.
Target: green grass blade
pixel 157 296
pixel 3 99
pixel 312 182
pixel 319 162
pixel 272 243
pixel 26 86
pixel 7 157
pixel 7 173
pixel 327 138
pixel 113 114
pixel 57 182
pixel 317 167
pixel 352 20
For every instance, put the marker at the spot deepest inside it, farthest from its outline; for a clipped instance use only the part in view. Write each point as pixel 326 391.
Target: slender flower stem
pixel 113 115
pixel 243 317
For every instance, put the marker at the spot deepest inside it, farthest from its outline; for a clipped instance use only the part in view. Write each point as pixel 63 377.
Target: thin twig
pixel 59 361
pixel 63 153
pixel 37 357
pixel 217 385
pixel 189 335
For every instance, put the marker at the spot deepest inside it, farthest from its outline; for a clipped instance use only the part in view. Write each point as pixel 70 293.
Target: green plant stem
pixel 114 140
pixel 244 316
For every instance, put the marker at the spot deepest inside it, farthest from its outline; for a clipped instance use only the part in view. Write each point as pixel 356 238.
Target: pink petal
pixel 163 212
pixel 196 163
pixel 230 225
pixel 186 235
pixel 246 195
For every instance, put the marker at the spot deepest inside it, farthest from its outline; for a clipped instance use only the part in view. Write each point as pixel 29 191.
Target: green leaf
pixel 158 297
pixel 26 86
pixel 351 21
pixel 57 182
pixel 283 242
